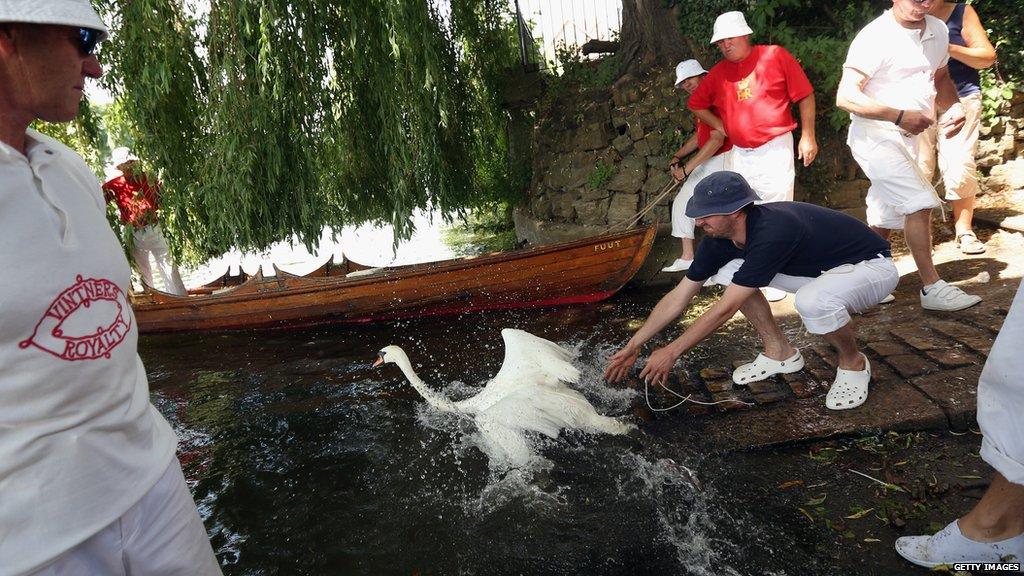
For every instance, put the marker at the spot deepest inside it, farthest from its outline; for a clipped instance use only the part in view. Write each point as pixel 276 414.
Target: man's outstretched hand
pixel 658 366
pixel 620 364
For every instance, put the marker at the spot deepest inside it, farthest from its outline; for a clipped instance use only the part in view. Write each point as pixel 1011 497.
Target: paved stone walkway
pixel 925 364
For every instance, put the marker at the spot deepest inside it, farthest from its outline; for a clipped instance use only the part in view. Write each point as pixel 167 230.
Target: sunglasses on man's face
pixel 87 40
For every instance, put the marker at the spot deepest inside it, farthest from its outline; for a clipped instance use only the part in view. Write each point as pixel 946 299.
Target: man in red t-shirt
pixel 752 90
pixel 137 200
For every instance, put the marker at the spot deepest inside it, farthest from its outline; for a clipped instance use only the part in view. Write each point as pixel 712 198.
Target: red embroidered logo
pixel 50 337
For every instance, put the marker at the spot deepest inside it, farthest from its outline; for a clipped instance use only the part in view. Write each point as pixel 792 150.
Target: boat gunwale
pixel 398 273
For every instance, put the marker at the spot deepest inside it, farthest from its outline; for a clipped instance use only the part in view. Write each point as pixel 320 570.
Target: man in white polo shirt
pixel 89 482
pixel 894 76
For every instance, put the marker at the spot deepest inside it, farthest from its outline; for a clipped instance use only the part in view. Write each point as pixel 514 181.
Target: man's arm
pixel 709 118
pixel 979 52
pixel 951 113
pixel 663 359
pixel 688 147
pixel 851 97
pixel 807 150
pixel 715 141
pixel 670 307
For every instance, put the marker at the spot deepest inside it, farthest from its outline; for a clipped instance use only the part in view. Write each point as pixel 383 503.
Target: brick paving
pixel 925 364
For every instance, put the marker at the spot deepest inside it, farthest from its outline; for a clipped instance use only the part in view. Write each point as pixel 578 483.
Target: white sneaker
pixel 950 546
pixel 773 294
pixel 678 266
pixel 947 298
pixel 887 299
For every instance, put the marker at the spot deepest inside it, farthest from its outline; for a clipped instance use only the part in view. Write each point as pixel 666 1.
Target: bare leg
pixel 759 313
pixel 883 232
pixel 998 515
pixel 963 215
pixel 844 341
pixel 918 233
pixel 687 248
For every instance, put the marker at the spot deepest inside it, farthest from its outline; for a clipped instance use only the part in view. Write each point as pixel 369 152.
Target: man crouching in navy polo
pixel 834 264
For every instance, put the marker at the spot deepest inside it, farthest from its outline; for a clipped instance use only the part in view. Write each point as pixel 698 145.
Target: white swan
pixel 527 394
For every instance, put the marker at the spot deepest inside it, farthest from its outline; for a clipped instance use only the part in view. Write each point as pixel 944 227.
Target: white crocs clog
pixel 850 388
pixel 763 368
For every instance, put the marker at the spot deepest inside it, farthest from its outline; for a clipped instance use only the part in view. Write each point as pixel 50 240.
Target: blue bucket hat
pixel 719 194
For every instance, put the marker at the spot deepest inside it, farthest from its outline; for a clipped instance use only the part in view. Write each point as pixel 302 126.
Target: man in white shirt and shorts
pixel 894 76
pixel 89 481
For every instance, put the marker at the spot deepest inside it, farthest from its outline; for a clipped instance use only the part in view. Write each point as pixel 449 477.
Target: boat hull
pixel 582 271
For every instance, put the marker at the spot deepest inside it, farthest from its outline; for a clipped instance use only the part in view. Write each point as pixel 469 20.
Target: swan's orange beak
pixel 378 361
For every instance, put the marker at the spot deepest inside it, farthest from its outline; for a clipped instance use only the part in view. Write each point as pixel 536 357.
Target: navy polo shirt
pixel 793 238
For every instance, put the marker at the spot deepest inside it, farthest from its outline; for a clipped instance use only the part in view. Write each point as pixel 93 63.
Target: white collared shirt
pixel 900 63
pixel 80 442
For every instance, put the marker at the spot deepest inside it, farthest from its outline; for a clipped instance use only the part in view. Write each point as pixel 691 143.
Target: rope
pixel 684 400
pixel 650 206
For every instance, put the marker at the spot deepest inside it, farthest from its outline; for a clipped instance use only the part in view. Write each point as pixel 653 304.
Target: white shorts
pixel 888 157
pixel 153 258
pixel 161 535
pixel 1001 397
pixel 769 168
pixel 682 226
pixel 825 303
pixel 955 156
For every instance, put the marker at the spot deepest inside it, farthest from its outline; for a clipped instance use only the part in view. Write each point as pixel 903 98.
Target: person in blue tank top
pixel 970 51
pixel 833 262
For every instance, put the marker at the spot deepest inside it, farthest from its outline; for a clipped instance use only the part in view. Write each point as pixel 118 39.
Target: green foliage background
pixel 267 118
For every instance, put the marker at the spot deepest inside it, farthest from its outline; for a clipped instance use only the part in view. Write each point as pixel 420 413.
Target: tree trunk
pixel 649 36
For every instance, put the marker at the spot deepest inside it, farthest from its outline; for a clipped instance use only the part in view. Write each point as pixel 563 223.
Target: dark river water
pixel 304 460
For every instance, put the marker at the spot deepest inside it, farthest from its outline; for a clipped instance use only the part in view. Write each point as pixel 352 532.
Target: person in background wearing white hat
pixel 833 263
pixel 712 149
pixel 137 201
pixel 894 77
pixel 748 95
pixel 89 481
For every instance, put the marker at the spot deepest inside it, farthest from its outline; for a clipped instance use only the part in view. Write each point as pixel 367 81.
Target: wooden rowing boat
pixel 581 271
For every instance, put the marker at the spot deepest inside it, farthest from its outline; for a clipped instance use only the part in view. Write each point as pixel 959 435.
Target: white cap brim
pixel 77 13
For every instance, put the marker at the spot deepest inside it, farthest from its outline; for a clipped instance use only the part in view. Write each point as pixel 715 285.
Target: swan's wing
pixel 548 411
pixel 540 410
pixel 505 447
pixel 533 360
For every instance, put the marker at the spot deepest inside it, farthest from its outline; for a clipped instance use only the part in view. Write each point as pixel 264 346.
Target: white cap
pixel 119 155
pixel 730 25
pixel 688 69
pixel 78 13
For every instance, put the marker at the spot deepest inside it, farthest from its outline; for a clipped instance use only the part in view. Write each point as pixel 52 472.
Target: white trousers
pixel 1001 397
pixel 683 226
pixel 889 158
pixel 769 168
pixel 825 303
pixel 955 155
pixel 153 257
pixel 161 535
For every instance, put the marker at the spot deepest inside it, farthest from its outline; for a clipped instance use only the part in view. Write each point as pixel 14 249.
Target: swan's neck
pixel 435 399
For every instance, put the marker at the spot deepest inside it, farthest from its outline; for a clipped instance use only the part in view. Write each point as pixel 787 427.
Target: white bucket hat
pixel 120 155
pixel 78 13
pixel 730 25
pixel 688 69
